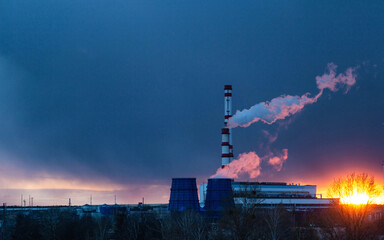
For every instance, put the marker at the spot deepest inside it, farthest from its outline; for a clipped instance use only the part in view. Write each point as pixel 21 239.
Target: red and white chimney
pixel 226 143
pixel 225 155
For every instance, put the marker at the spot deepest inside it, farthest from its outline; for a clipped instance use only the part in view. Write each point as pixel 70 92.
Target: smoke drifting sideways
pixel 286 105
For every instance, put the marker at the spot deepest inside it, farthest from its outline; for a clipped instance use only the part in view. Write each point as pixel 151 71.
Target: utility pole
pixel 115 199
pixel 4 221
pixel 91 200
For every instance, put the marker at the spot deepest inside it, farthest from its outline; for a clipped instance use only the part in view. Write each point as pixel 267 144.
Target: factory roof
pixel 269 183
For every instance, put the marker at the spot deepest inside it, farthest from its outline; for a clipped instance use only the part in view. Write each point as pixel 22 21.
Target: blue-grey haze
pixel 132 91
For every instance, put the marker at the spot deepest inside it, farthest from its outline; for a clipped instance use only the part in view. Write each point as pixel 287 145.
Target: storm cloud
pixel 130 93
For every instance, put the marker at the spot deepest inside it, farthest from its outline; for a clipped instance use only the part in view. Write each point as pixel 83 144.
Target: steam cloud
pixel 332 82
pixel 278 161
pixel 287 105
pixel 250 163
pixel 277 109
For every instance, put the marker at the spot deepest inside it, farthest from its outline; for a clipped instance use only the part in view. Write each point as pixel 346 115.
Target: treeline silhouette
pixel 236 223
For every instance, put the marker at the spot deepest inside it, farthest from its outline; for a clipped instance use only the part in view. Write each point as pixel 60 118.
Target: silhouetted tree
pixel 103 226
pixel 188 225
pixel 150 227
pixel 244 221
pixel 27 228
pixel 348 219
pixel 68 226
pixel 136 226
pixel 304 225
pixel 126 227
pixel 239 223
pixel 49 220
pixel 279 222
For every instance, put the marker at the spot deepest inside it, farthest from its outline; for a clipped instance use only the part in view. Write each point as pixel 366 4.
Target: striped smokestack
pixel 225 155
pixel 226 144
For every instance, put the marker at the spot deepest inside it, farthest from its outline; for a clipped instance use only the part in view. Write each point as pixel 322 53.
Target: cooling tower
pixel 183 195
pixel 219 194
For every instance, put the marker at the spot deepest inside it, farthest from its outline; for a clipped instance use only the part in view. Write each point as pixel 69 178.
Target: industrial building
pixel 270 194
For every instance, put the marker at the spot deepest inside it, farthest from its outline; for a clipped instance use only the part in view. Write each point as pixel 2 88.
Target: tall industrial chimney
pixel 226 133
pixel 225 155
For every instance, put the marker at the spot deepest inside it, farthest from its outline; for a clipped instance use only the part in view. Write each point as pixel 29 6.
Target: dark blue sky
pixel 131 91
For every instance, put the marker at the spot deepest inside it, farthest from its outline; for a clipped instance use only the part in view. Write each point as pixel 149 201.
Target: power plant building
pixel 271 194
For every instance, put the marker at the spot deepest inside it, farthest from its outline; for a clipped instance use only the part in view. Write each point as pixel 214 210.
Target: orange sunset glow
pixel 356 189
pixel 356 198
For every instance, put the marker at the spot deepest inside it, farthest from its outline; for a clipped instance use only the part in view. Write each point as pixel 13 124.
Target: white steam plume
pixel 278 161
pixel 287 105
pixel 246 163
pixel 332 82
pixel 250 164
pixel 269 112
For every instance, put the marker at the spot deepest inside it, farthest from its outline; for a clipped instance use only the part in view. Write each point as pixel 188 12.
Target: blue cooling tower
pixel 183 195
pixel 219 194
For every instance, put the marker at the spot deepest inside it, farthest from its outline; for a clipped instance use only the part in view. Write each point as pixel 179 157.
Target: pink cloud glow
pixel 286 105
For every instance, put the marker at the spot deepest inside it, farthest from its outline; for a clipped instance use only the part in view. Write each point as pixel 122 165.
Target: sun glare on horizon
pixel 356 189
pixel 357 198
